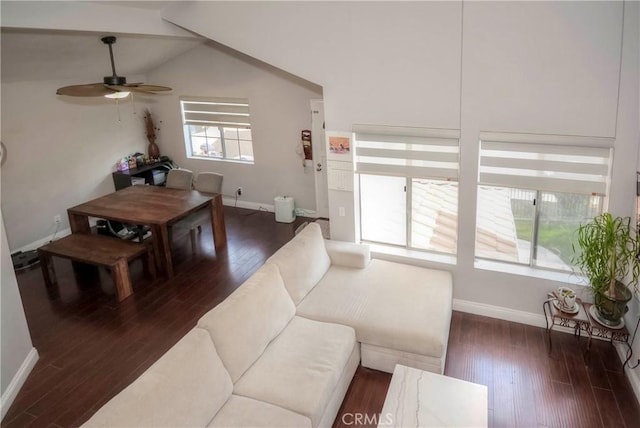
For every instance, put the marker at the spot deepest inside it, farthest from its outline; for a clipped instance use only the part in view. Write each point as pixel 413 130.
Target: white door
pixel 319 157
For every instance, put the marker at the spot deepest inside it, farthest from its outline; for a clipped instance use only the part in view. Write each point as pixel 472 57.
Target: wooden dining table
pixel 156 207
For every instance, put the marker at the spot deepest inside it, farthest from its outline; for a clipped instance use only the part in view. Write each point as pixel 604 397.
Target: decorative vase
pixel 154 150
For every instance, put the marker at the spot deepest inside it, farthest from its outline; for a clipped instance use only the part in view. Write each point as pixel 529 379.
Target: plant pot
pixel 612 308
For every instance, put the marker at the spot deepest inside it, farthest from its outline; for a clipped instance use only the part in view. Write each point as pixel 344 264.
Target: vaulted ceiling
pixel 61 40
pixel 29 55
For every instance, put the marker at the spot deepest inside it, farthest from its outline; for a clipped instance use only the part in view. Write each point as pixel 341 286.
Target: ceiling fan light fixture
pixel 118 95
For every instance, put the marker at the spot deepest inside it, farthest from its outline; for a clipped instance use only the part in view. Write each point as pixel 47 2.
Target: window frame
pixel 399 134
pixel 575 142
pixel 221 126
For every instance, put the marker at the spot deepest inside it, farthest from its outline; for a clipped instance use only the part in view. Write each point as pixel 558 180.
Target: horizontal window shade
pixel 555 140
pixel 226 112
pixel 417 156
pixel 568 169
pixel 398 140
pixel 408 154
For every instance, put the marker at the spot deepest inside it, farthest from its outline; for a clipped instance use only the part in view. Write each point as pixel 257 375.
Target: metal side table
pixel 579 321
pixel 611 334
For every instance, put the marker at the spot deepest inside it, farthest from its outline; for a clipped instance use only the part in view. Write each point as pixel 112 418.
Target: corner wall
pixel 279 108
pixel 60 152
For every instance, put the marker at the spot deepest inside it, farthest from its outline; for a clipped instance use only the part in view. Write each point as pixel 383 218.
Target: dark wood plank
pixel 608 407
pixel 91 347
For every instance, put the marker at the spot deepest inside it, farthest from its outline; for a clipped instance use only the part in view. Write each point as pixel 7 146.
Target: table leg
pixel 120 275
pixel 48 271
pixel 546 319
pixel 79 223
pixel 217 222
pixel 162 249
pixel 149 263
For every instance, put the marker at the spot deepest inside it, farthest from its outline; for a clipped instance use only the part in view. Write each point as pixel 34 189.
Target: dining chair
pixel 179 179
pixel 206 182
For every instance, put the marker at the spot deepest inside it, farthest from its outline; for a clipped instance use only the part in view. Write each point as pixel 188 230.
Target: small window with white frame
pixel 534 191
pixel 217 128
pixel 408 187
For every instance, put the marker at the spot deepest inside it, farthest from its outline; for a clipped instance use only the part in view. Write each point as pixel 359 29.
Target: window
pixel 408 187
pixel 533 192
pixel 217 129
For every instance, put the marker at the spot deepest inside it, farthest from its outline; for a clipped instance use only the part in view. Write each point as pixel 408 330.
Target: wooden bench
pixel 97 250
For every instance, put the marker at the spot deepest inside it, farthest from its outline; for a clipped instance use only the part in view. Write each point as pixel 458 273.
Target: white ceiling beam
pixel 87 16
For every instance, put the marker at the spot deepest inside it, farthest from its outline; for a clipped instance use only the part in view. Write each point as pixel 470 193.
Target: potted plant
pixel 608 256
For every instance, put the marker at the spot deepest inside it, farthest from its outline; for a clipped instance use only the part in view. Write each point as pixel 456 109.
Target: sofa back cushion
pixel 185 387
pixel 252 316
pixel 303 261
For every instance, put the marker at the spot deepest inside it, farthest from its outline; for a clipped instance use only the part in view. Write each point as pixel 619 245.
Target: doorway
pixel 319 158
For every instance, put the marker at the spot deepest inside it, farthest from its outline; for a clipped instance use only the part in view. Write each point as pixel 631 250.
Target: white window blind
pixel 582 167
pixel 225 112
pixel 407 152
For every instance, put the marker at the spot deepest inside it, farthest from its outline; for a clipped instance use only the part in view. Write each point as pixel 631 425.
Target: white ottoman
pixel 423 399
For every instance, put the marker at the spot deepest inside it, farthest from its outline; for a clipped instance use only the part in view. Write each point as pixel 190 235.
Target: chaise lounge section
pixel 282 349
pixel 401 313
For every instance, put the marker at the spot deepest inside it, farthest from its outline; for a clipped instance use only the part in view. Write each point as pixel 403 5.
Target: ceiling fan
pixel 113 86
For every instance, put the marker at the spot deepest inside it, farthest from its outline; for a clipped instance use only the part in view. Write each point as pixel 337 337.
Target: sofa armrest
pixel 348 254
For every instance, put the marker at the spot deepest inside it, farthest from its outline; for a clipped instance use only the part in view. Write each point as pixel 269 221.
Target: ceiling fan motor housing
pixel 114 80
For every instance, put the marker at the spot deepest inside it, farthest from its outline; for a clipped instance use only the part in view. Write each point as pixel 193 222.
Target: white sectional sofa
pixel 283 348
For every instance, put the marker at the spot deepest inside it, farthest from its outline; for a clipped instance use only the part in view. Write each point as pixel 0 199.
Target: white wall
pixel 543 67
pixel 628 129
pixel 60 152
pixel 279 108
pixel 15 346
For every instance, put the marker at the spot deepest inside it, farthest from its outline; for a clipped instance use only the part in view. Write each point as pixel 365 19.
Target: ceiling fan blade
pixel 139 88
pixel 146 88
pixel 89 90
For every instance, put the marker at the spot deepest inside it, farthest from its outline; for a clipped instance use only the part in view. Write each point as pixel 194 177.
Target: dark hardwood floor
pixel 91 347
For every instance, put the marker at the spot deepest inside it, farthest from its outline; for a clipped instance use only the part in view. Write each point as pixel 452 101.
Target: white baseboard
pixel 40 242
pixel 632 375
pixel 18 380
pixel 231 202
pixel 59 234
pixel 499 312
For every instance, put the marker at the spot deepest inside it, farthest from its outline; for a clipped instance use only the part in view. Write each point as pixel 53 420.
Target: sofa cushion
pixel 391 305
pixel 302 261
pixel 301 368
pixel 348 254
pixel 246 412
pixel 252 316
pixel 185 387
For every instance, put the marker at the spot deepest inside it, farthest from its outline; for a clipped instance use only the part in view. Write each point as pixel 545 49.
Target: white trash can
pixel 285 209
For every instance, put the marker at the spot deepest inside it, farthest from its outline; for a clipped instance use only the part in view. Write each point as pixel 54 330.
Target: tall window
pixel 217 128
pixel 533 192
pixel 408 187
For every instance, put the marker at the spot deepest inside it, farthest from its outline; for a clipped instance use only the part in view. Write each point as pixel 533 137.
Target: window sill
pixel 221 160
pixel 565 277
pixel 404 253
